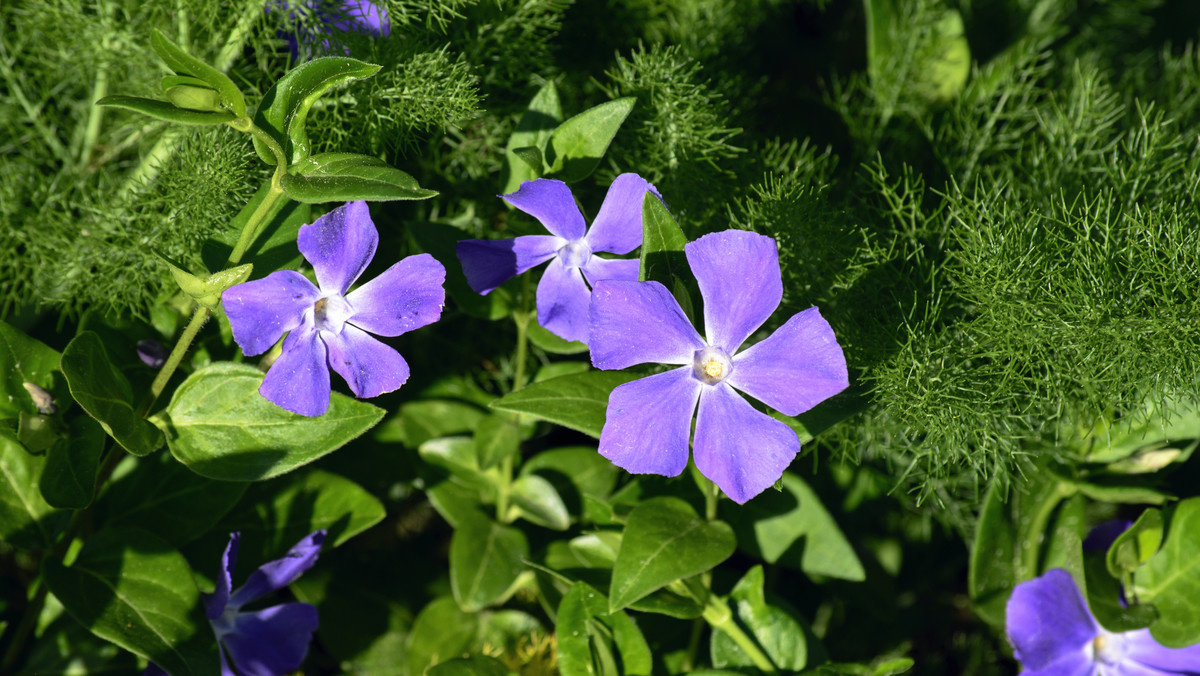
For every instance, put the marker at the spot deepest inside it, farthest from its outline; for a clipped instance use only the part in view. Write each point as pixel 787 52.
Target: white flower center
pixel 1108 649
pixel 330 313
pixel 575 254
pixel 711 365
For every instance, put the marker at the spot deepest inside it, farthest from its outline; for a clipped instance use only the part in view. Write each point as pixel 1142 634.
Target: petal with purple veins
pixel 795 368
pixel 648 422
pixel 639 323
pixel 406 296
pixel 600 269
pixel 299 380
pixel 617 228
pixel 271 641
pixel 281 572
pixel 261 311
pixel 562 302
pixel 740 449
pixel 369 367
pixel 214 603
pixel 1047 618
pixel 551 203
pixel 739 279
pixel 489 263
pixel 339 245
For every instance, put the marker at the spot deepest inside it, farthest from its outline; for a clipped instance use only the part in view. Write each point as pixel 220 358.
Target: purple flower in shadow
pixel 562 295
pixel 1054 634
pixel 328 327
pixel 312 22
pixel 648 421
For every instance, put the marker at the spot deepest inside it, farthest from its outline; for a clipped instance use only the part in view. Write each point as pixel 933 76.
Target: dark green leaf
pixel 496 438
pixel 102 390
pixel 535 500
pixel 1105 599
pixel 419 421
pixel 26 519
pixel 662 257
pixel 577 401
pixel 574 644
pixel 532 157
pixel 539 121
pixel 475 665
pixel 1170 579
pixel 576 146
pixel 69 478
pixel 162 110
pixel 636 659
pixel 222 428
pixel 185 64
pixel 486 559
pixel 25 360
pixel 343 177
pixel 440 632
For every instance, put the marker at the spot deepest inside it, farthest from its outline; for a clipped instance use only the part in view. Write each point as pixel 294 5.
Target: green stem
pixel 181 348
pixel 1033 543
pixel 502 491
pixel 718 615
pixel 522 320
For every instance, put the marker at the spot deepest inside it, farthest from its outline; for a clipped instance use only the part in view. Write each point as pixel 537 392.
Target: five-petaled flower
pixel 562 295
pixel 271 641
pixel 649 420
pixel 1054 634
pixel 328 327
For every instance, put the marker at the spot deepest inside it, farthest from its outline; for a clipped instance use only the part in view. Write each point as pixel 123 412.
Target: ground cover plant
pixel 796 336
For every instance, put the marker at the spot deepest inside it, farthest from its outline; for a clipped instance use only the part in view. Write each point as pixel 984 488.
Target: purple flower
pixel 648 421
pixel 268 642
pixel 313 21
pixel 562 295
pixel 1053 633
pixel 152 353
pixel 328 327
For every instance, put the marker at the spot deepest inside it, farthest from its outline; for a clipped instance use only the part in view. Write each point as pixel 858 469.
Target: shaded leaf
pixel 1170 579
pixel 576 401
pixel 69 478
pixel 26 519
pixel 576 146
pixel 102 390
pixel 486 559
pixel 542 116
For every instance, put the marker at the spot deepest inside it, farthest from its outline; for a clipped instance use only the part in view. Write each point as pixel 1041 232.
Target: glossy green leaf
pixel 185 64
pixel 102 390
pixel 169 81
pixel 344 177
pixel 442 631
pixel 576 146
pixel 1136 545
pixel 222 428
pixel 780 634
pixel 665 541
pixel 285 106
pixel 536 501
pixel 486 559
pixel 26 519
pixel 636 659
pixel 69 478
pixel 667 602
pixel 1170 579
pixel 793 528
pixel 207 290
pixel 538 335
pixel 163 110
pixel 542 116
pixel 129 587
pixel 475 665
pixel 577 401
pixel 496 438
pixel 25 360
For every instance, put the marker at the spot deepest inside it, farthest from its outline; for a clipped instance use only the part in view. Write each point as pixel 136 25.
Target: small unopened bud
pixel 41 399
pixel 152 353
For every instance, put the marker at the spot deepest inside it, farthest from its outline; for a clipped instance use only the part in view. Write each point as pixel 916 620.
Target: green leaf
pixel 207 291
pixel 222 428
pixel 440 241
pixel 486 560
pixel 576 401
pixel 129 587
pixel 575 472
pixel 538 335
pixel 456 455
pixel 162 110
pixel 344 177
pixel 636 659
pixel 26 519
pixel 571 628
pixel 496 438
pixel 535 500
pixel 793 528
pixel 475 665
pixel 576 146
pixel 532 157
pixel 69 478
pixel 1136 545
pixel 665 541
pixel 285 106
pixel 1105 599
pixel 275 246
pixel 596 550
pixel 185 64
pixel 1128 494
pixel 540 119
pixel 662 257
pixel 419 421
pixel 778 632
pixel 102 390
pixel 944 62
pixel 1171 580
pixel 25 360
pixel 441 631
pixel 195 98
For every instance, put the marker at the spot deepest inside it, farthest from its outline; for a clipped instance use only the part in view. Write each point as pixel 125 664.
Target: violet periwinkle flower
pixel 562 295
pixel 313 21
pixel 152 353
pixel 648 421
pixel 1054 634
pixel 328 327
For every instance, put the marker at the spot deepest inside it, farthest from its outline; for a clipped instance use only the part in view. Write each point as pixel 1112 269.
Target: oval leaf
pixel 485 560
pixel 577 401
pixel 344 177
pixel 185 64
pixel 163 110
pixel 24 360
pixel 576 146
pixel 102 390
pixel 1170 580
pixel 536 500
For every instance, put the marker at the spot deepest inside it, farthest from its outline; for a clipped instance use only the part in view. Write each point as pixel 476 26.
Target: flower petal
pixel 489 263
pixel 1047 618
pixel 281 572
pixel 406 296
pixel 1100 538
pixel 1070 664
pixel 618 226
pixel 1141 647
pixel 272 641
pixel 260 312
pixel 299 380
pixel 648 422
pixel 738 274
pixel 214 603
pixel 742 450
pixel 600 269
pixel 339 245
pixel 562 302
pixel 639 323
pixel 795 368
pixel 550 202
pixel 369 367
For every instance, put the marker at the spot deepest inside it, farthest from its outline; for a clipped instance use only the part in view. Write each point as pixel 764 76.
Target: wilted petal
pixel 550 202
pixel 740 449
pixel 406 296
pixel 618 226
pixel 562 302
pixel 489 263
pixel 272 641
pixel 281 572
pixel 299 380
pixel 1141 647
pixel 616 269
pixel 738 274
pixel 639 323
pixel 260 312
pixel 1047 618
pixel 339 245
pixel 795 368
pixel 648 422
pixel 369 367
pixel 214 603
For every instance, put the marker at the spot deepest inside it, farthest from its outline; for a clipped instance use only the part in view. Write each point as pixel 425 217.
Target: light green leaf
pixel 456 455
pixel 102 390
pixel 576 401
pixel 69 478
pixel 207 290
pixel 442 631
pixel 778 632
pixel 24 360
pixel 486 560
pixel 540 119
pixel 535 500
pixel 185 64
pixel 222 428
pixel 26 519
pixel 596 550
pixel 1136 545
pixel 343 177
pixel 496 438
pixel 1170 580
pixel 163 110
pixel 576 146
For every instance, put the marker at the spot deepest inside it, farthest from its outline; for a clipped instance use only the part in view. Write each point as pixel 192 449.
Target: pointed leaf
pixel 1136 545
pixel 536 500
pixel 162 110
pixel 542 116
pixel 777 631
pixel 102 390
pixel 576 146
pixel 486 559
pixel 577 401
pixel 185 64
pixel 532 157
pixel 344 177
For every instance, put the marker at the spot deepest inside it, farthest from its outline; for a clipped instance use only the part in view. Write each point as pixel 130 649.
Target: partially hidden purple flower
pixel 563 294
pixel 648 421
pixel 311 22
pixel 271 641
pixel 1054 634
pixel 328 327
